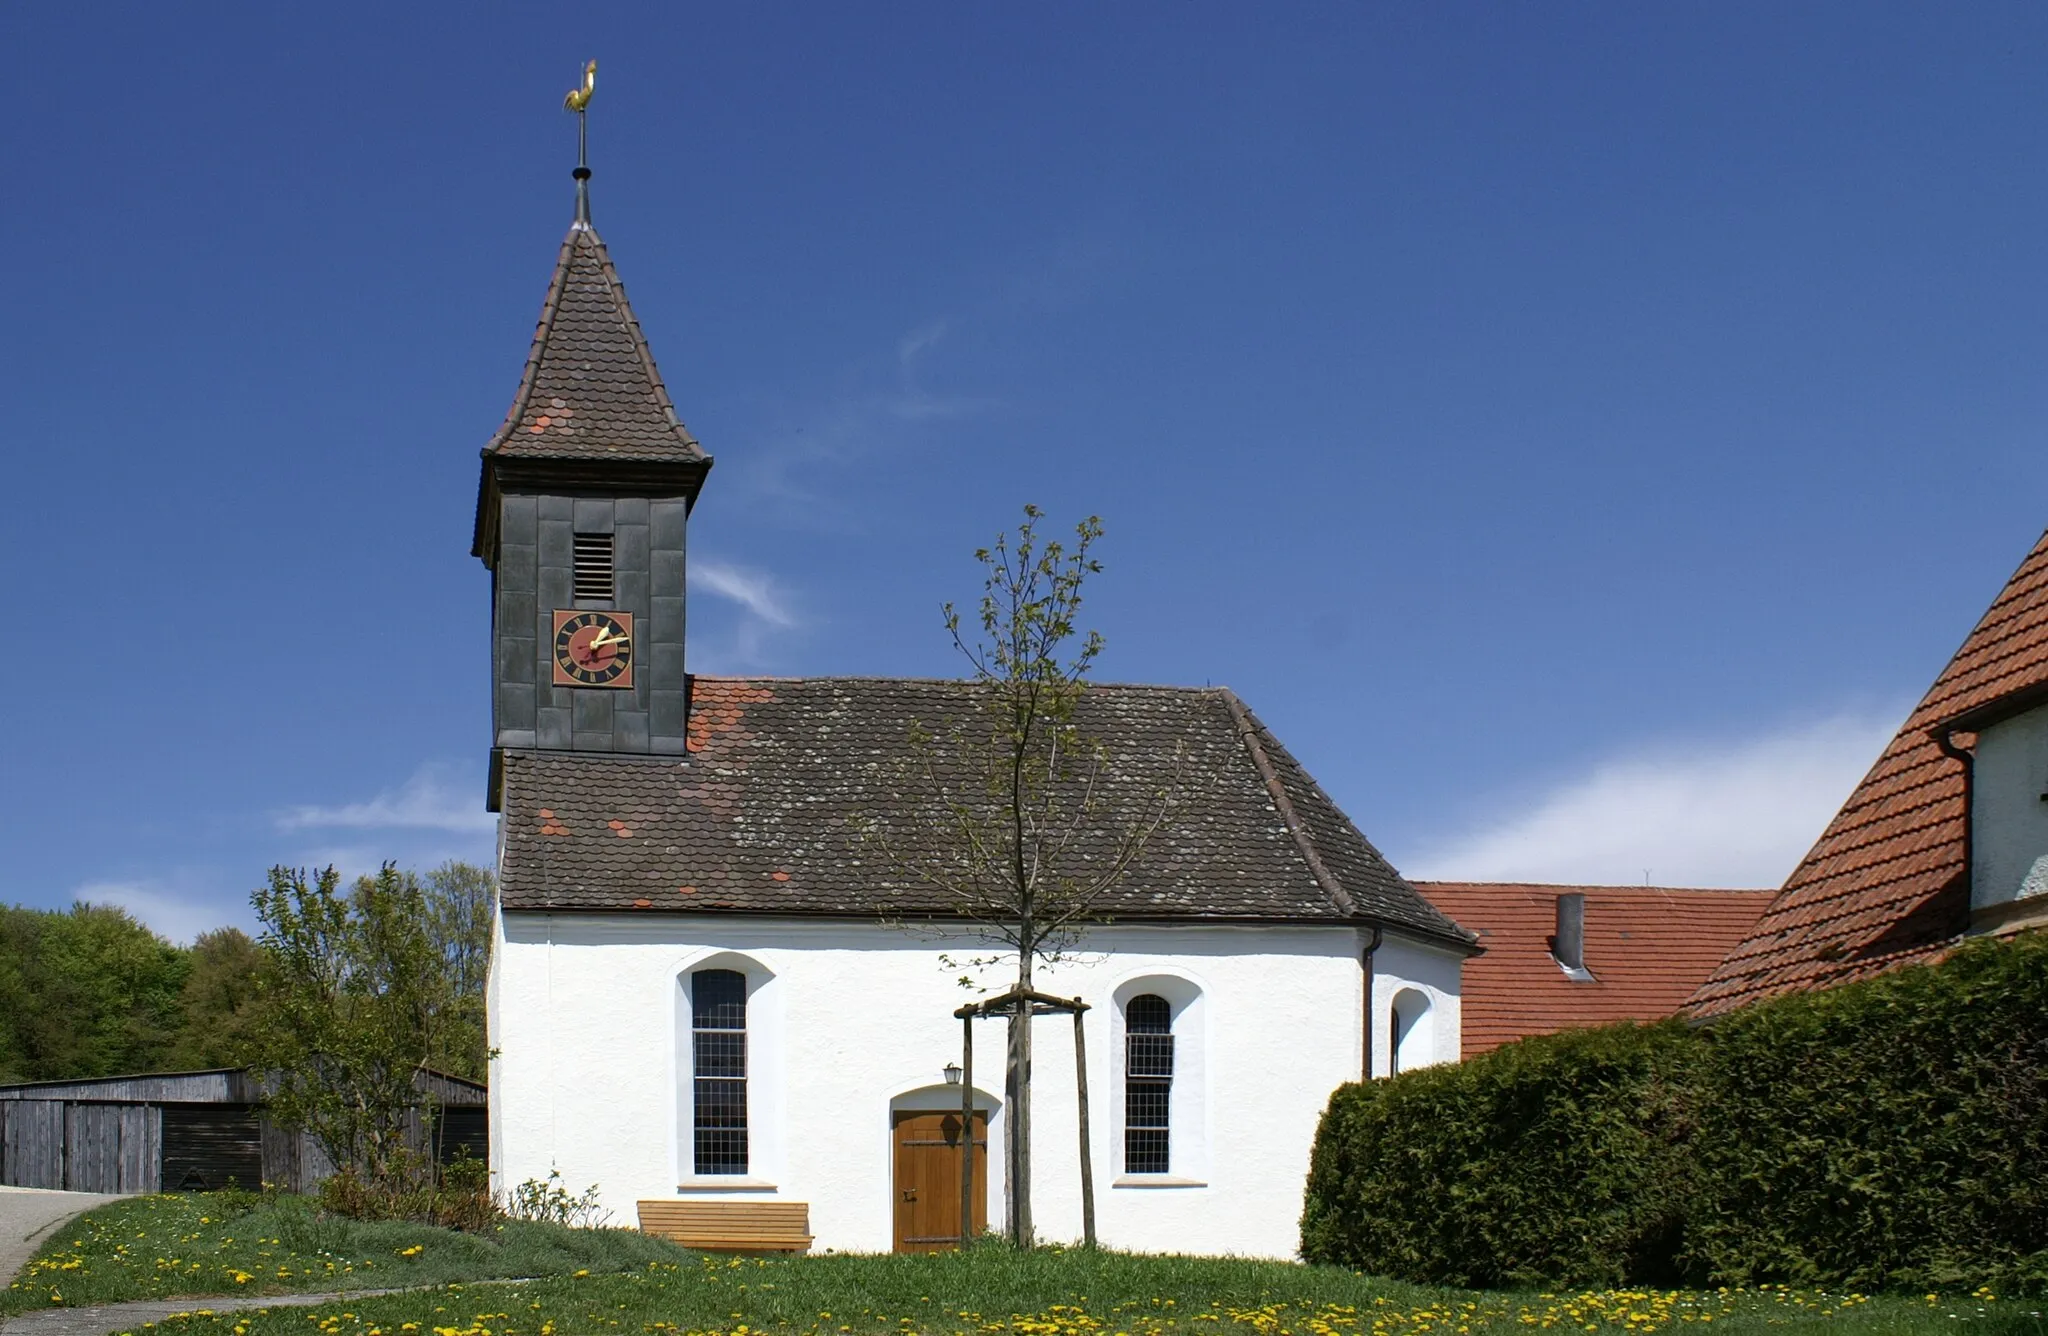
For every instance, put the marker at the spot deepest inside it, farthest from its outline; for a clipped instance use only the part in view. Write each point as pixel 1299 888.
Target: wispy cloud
pixel 438 796
pixel 765 608
pixel 751 589
pixel 1734 813
pixel 914 345
pixel 175 915
pixel 878 403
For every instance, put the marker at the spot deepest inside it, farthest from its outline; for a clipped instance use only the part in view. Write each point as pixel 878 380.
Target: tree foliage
pixel 89 991
pixel 461 900
pixel 220 1002
pixel 360 990
pixel 85 992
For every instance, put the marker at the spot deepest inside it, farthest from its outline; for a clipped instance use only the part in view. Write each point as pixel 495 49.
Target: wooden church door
pixel 927 1186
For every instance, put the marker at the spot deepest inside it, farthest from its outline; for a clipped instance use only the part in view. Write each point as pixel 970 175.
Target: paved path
pixel 27 1215
pixel 127 1317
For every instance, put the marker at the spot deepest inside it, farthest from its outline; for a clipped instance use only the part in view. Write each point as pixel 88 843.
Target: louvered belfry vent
pixel 594 579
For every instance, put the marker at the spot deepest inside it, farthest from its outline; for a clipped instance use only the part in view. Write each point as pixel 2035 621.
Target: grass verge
pixel 993 1292
pixel 192 1244
pixel 608 1281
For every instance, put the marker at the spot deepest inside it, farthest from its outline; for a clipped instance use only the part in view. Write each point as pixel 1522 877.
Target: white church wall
pixel 846 1021
pixel 1414 996
pixel 2008 819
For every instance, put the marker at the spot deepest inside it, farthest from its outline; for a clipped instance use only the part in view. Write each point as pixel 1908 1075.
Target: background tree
pixel 461 900
pixel 220 1006
pixel 1016 817
pixel 90 992
pixel 85 992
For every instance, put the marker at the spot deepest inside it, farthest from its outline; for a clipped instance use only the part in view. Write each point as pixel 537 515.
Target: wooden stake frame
pixel 1004 1004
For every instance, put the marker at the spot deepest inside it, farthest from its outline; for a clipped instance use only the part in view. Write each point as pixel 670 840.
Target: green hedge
pixel 1888 1134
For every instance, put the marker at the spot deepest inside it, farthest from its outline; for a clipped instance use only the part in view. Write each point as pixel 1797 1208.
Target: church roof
pixel 1887 884
pixel 762 814
pixel 1646 948
pixel 590 389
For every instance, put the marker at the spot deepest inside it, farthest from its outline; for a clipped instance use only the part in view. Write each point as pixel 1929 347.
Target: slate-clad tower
pixel 582 507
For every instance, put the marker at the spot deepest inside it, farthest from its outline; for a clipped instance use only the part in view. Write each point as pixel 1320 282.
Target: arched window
pixel 1148 1083
pixel 1410 1044
pixel 718 1040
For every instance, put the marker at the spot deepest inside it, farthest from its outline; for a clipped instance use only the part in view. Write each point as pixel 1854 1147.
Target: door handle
pixel 910 1194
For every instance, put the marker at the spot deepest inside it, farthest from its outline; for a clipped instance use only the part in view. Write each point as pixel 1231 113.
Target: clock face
pixel 593 649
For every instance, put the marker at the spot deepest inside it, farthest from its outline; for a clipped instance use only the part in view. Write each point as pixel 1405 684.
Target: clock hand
pixel 606 637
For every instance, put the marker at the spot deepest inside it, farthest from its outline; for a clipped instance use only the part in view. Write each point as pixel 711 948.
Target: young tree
pixel 1016 817
pixel 352 1002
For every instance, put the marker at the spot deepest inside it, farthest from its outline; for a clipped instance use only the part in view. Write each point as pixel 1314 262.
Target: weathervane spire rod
pixel 578 101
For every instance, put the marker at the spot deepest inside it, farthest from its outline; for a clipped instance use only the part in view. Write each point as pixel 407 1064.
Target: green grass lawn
pixel 220 1243
pixel 991 1292
pixel 607 1281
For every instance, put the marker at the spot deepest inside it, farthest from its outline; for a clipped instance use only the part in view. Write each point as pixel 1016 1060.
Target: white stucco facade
pixel 2008 818
pixel 847 1021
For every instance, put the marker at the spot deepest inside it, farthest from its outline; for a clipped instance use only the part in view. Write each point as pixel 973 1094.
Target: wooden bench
pixel 730 1226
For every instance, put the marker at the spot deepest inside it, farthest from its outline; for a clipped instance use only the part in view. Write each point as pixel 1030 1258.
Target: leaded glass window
pixel 718 1040
pixel 1148 1084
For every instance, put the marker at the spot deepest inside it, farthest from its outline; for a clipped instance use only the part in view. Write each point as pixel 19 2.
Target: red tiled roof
pixel 1887 885
pixel 1647 948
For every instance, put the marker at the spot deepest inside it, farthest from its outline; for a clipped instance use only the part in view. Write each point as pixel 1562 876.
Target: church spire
pixel 578 101
pixel 591 410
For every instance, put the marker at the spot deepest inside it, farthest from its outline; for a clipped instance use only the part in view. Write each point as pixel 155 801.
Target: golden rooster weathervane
pixel 578 101
pixel 579 97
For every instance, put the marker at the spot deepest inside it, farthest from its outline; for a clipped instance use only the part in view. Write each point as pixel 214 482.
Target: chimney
pixel 1568 944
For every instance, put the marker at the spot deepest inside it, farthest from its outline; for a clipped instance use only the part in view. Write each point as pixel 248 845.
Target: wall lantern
pixel 953 1073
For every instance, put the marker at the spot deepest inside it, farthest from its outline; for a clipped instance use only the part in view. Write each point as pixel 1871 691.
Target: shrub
pixel 549 1202
pixel 455 1196
pixel 1886 1134
pixel 1552 1160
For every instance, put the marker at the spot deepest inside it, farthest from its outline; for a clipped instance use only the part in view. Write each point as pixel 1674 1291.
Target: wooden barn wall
pixel 452 1091
pixel 293 1160
pixel 80 1147
pixel 100 1146
pixel 463 1132
pixel 222 1087
pixel 209 1146
pixel 33 1142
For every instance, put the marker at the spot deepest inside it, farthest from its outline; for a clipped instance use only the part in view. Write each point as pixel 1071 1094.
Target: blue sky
pixel 1581 431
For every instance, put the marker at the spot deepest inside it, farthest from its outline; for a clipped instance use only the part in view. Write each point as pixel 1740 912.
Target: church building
pixel 707 1001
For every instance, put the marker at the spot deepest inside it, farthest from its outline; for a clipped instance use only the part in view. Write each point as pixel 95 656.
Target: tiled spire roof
pixel 1888 882
pixel 590 390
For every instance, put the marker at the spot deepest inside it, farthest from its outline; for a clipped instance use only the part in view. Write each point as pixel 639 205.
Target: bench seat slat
pixel 736 1226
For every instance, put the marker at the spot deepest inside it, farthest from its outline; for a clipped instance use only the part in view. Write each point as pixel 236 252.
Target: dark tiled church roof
pixel 590 389
pixel 762 815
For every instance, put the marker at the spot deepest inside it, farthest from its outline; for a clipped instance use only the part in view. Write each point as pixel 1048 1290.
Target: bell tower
pixel 582 513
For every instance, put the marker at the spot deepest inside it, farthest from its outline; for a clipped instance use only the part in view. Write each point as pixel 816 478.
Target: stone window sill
pixel 1157 1181
pixel 724 1184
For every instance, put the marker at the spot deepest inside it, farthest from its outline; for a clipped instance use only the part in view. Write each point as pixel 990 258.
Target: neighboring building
pixel 1562 957
pixel 701 992
pixel 188 1131
pixel 1944 837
